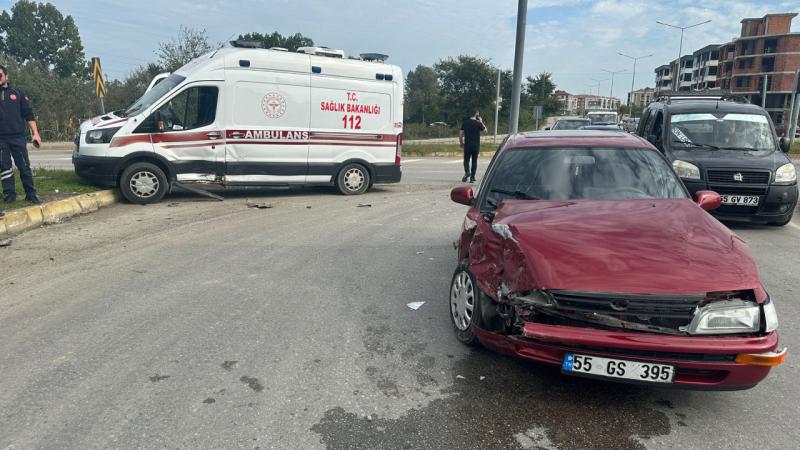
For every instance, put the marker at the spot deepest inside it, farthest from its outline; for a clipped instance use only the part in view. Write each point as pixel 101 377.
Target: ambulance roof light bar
pixel 322 51
pixel 377 57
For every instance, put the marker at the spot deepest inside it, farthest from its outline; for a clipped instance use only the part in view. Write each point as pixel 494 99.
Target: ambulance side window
pixel 193 108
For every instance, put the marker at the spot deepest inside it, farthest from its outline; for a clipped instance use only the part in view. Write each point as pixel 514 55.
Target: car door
pixel 267 136
pixel 188 132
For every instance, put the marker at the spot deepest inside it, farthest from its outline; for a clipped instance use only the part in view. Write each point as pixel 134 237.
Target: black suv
pixel 728 146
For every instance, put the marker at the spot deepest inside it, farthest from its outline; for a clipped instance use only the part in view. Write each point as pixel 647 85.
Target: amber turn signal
pixel 762 359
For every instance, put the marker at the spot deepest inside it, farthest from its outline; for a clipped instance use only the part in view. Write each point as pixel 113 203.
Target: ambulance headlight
pixel 102 136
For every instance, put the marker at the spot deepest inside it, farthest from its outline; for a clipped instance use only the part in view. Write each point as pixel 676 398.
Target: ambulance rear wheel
pixel 143 183
pixel 353 179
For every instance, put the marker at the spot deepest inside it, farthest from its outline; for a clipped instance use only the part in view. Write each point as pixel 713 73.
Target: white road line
pixel 794 225
pixel 406 161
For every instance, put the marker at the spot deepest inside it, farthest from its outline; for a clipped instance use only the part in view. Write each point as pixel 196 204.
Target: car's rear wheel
pixel 353 179
pixel 465 306
pixel 143 183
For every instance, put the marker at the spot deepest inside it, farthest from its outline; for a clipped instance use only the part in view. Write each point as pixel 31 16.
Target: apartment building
pixel 706 68
pixel 597 103
pixel 641 97
pixel 569 102
pixel 760 64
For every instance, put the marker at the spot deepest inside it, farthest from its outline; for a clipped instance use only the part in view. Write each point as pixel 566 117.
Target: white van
pixel 257 117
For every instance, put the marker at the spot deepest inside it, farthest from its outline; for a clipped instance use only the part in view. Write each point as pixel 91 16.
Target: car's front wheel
pixel 353 179
pixel 465 306
pixel 143 183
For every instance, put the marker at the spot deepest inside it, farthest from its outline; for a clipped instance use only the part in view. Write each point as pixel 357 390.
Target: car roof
pixel 577 138
pixel 572 118
pixel 692 106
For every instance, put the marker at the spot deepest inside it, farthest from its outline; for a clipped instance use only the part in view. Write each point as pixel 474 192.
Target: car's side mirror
pixel 784 144
pixel 707 199
pixel 462 195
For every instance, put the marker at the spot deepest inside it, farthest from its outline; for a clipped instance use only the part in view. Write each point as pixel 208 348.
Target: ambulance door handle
pixel 236 135
pixel 214 135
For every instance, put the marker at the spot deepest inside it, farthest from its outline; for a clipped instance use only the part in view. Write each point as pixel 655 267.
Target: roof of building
pixel 707 48
pixel 751 19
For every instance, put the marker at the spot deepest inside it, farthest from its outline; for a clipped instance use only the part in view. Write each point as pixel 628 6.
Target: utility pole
pixel 519 50
pixel 792 126
pixel 611 92
pixel 676 83
pixel 764 95
pixel 633 78
pixel 496 106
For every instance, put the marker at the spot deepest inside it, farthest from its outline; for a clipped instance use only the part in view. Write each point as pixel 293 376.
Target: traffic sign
pixel 97 74
pixel 537 112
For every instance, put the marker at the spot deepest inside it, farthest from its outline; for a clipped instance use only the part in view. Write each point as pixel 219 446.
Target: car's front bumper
pixel 776 203
pixel 99 170
pixel 700 362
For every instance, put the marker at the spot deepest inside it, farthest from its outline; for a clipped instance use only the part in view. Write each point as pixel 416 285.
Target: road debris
pixel 461 377
pixel 259 205
pixel 364 205
pixel 415 305
pixel 5 242
pixel 421 252
pixel 173 204
pixel 483 378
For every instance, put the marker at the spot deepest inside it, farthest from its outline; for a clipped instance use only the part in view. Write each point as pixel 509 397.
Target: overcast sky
pixel 573 39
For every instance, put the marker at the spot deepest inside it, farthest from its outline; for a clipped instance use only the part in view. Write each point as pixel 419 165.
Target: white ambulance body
pixel 252 117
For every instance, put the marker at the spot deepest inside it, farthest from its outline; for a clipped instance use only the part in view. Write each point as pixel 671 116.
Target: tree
pixel 422 95
pixel 466 83
pixel 188 45
pixel 39 33
pixel 291 43
pixel 540 91
pixel 122 94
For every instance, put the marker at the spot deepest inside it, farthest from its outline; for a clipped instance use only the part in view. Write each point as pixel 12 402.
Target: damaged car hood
pixel 631 246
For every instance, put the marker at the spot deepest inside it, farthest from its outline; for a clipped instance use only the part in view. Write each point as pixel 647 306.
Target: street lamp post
pixel 516 86
pixel 611 93
pixel 680 48
pixel 633 78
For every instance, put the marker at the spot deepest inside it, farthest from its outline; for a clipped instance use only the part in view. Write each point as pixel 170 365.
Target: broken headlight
pixel 770 316
pixel 726 317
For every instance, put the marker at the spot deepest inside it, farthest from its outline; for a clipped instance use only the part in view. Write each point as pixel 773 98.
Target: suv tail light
pixel 399 149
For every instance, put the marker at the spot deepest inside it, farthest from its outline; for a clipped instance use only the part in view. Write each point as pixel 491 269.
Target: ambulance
pixel 243 116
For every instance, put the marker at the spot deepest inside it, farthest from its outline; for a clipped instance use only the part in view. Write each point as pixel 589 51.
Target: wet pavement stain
pixel 516 399
pixel 228 365
pixel 156 378
pixel 252 383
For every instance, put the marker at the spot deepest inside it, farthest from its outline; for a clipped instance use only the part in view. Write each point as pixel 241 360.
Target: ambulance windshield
pixel 151 96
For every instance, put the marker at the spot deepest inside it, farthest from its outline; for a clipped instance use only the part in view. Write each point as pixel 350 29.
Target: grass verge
pixel 50 185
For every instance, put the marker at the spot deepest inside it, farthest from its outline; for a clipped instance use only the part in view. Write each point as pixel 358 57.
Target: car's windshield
pixel 570 124
pixel 603 118
pixel 151 96
pixel 580 174
pixel 721 130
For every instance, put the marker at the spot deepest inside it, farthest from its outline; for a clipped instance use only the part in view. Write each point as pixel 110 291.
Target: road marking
pixel 454 162
pixel 794 225
pixel 411 160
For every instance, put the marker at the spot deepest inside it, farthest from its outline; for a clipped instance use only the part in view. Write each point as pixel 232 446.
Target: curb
pixel 21 220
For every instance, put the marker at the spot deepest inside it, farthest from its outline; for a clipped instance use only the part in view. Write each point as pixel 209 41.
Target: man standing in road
pixel 470 140
pixel 15 111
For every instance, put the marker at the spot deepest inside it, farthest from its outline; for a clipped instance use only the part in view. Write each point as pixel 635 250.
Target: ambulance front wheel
pixel 353 179
pixel 143 183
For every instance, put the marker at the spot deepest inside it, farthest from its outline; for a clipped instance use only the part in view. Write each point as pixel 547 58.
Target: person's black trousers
pixel 15 147
pixel 471 153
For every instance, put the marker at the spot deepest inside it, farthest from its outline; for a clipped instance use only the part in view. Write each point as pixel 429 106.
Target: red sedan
pixel 584 250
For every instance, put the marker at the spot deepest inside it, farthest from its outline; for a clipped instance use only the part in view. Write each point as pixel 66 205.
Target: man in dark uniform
pixel 470 140
pixel 15 111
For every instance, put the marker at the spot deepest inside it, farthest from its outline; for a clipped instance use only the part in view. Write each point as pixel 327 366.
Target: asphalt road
pixel 202 324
